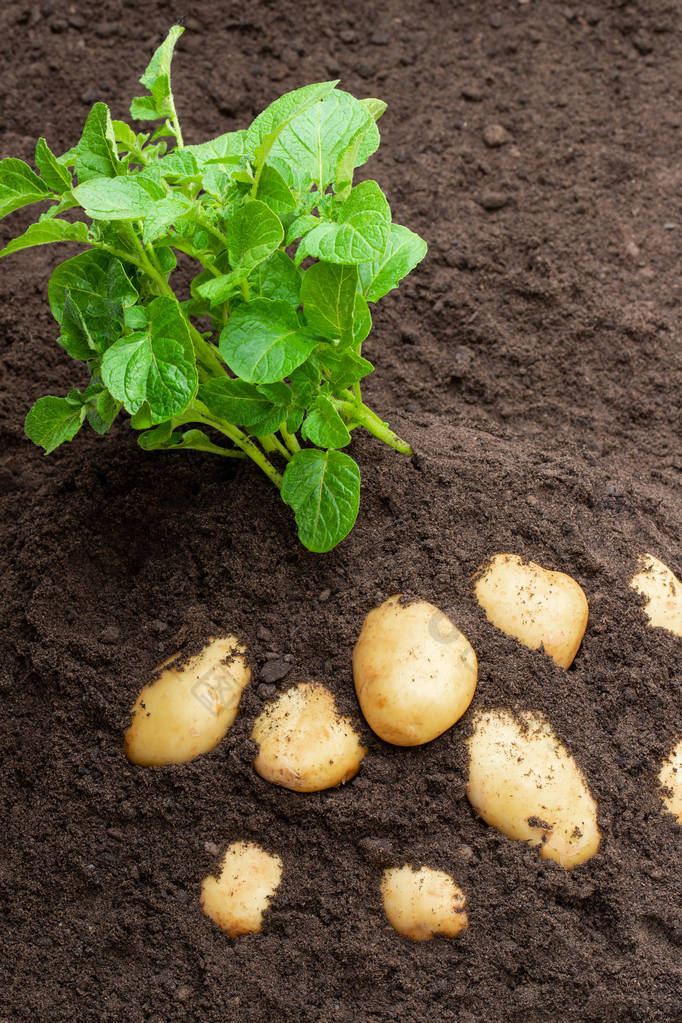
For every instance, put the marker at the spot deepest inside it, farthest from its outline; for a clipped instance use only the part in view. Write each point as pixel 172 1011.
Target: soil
pixel 533 362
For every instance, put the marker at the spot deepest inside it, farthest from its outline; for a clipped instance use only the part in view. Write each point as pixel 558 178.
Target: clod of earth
pixel 538 607
pixel 670 777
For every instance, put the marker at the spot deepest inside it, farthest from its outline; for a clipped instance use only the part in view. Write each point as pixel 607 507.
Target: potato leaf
pixel 360 234
pixel 403 252
pixel 324 426
pixel 19 186
pixel 268 126
pixel 263 341
pixel 45 232
pixel 96 153
pixel 278 278
pixel 55 175
pixel 157 79
pixel 253 233
pixel 328 296
pixel 125 198
pixel 99 288
pixel 52 421
pixel 323 488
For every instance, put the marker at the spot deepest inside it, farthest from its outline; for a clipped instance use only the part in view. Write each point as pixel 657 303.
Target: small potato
pixel 188 710
pixel 523 782
pixel 664 592
pixel 237 899
pixel 415 672
pixel 423 903
pixel 305 744
pixel 670 777
pixel 538 607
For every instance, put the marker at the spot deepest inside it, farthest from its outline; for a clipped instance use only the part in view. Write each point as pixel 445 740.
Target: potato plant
pixel 263 358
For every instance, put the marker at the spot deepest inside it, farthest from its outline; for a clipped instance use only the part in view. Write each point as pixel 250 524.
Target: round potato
pixel 538 607
pixel 423 903
pixel 523 782
pixel 415 672
pixel 663 591
pixel 237 899
pixel 188 710
pixel 670 778
pixel 305 744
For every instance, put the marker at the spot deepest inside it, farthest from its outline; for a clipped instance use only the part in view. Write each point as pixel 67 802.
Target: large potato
pixel 237 899
pixel 670 777
pixel 415 672
pixel 663 591
pixel 188 710
pixel 423 903
pixel 538 607
pixel 523 782
pixel 305 744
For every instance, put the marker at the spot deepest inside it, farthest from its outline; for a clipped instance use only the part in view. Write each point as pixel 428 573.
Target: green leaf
pixel 277 278
pixel 341 368
pixel 300 227
pixel 226 148
pixel 102 415
pixel 362 320
pixel 328 297
pixel 52 421
pixel 162 214
pixel 376 107
pixel 46 231
pixel 404 250
pixel 55 175
pixel 98 286
pixel 263 341
pixel 177 165
pixel 96 154
pixel 323 488
pixel 218 289
pixel 362 231
pixel 163 438
pixel 125 198
pixel 157 366
pixel 157 78
pixel 275 193
pixel 253 233
pixel 242 404
pixel 124 135
pixel 75 336
pixel 19 186
pixel 308 149
pixel 268 126
pixel 324 426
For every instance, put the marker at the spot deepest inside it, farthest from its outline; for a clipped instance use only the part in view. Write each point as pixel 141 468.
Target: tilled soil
pixel 533 362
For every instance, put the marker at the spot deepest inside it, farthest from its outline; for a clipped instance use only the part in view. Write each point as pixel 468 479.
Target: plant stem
pixel 237 437
pixel 289 439
pixel 364 416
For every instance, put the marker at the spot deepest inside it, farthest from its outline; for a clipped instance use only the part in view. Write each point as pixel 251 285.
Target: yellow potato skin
pixel 422 903
pixel 237 899
pixel 663 591
pixel 670 777
pixel 415 673
pixel 538 607
pixel 523 782
pixel 188 710
pixel 305 744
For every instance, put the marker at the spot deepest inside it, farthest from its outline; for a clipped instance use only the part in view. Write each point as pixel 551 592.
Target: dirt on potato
pixel 533 362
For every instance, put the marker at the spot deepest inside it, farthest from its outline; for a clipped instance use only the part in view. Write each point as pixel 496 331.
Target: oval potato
pixel 663 591
pixel 238 897
pixel 524 782
pixel 422 903
pixel 538 607
pixel 188 710
pixel 415 672
pixel 305 744
pixel 670 777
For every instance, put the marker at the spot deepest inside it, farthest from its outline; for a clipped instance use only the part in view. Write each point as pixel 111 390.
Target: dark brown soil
pixel 534 363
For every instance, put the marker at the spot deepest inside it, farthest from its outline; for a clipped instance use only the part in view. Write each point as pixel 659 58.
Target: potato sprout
pixel 663 591
pixel 415 672
pixel 524 782
pixel 538 607
pixel 670 777
pixel 423 903
pixel 188 709
pixel 237 899
pixel 305 744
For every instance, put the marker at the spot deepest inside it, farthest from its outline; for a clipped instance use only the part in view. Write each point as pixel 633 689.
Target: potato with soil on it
pixel 305 744
pixel 187 710
pixel 237 899
pixel 538 607
pixel 663 591
pixel 422 903
pixel 524 782
pixel 415 672
pixel 670 777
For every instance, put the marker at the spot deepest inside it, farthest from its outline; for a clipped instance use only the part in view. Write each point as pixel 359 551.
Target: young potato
pixel 664 592
pixel 305 744
pixel 670 777
pixel 237 899
pixel 415 672
pixel 538 607
pixel 523 782
pixel 188 710
pixel 423 903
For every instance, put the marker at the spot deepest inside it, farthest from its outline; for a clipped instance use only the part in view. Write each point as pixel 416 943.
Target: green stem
pixel 280 447
pixel 237 437
pixel 371 422
pixel 289 439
